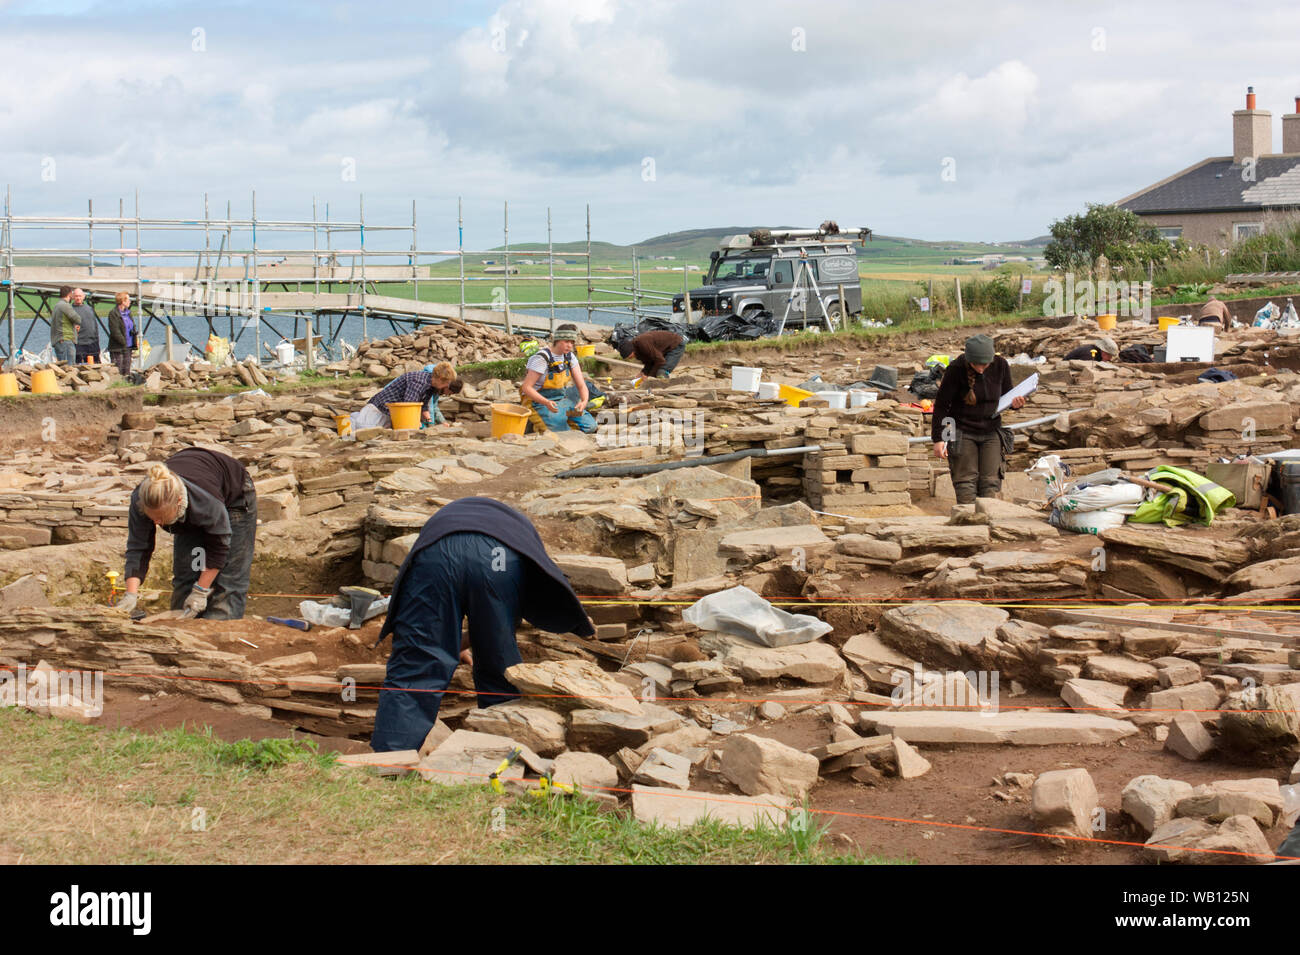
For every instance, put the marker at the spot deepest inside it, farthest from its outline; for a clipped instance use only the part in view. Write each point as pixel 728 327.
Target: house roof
pixel 1215 185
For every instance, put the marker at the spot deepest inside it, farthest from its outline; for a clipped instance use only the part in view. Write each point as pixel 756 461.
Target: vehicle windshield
pixel 742 268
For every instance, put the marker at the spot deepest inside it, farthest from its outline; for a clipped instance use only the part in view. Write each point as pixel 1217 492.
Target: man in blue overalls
pixel 551 372
pixel 477 560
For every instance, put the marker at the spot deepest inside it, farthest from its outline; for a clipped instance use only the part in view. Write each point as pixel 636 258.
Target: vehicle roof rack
pixel 777 238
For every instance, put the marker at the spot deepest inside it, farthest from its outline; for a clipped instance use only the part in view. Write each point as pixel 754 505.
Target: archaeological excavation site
pixel 791 615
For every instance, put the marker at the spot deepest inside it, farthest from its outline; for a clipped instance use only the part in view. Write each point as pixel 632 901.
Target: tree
pixel 1078 241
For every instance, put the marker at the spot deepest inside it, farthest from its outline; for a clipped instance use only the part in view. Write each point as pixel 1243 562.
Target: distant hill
pixel 694 245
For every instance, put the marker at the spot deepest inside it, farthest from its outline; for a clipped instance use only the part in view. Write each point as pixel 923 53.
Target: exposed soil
pixel 81 418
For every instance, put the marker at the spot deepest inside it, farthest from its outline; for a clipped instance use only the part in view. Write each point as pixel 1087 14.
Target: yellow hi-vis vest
pixel 558 371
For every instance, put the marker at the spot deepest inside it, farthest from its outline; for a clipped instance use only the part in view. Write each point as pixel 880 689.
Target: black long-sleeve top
pixel 978 418
pixel 213 483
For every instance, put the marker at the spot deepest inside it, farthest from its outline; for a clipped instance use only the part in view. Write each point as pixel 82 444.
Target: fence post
pixel 961 314
pixel 309 343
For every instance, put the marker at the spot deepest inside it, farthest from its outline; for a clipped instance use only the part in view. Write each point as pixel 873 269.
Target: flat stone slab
pixel 675 808
pixel 1020 728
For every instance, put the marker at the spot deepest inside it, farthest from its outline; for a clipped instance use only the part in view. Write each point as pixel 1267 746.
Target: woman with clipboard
pixel 967 425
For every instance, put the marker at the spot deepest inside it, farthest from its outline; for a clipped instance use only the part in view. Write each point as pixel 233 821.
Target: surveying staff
pixel 550 374
pixel 207 502
pixel 414 386
pixel 658 350
pixel 476 558
pixel 966 428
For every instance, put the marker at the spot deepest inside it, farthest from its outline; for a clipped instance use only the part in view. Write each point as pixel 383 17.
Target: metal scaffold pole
pixel 415 253
pixel 460 249
pixel 257 288
pixel 506 228
pixel 589 263
pixel 365 331
pixel 550 259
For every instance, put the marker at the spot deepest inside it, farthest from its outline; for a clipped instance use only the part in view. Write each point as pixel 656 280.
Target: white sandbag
pixel 1099 497
pixel 741 612
pixel 1088 522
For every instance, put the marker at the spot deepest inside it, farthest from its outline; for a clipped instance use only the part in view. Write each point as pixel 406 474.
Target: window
pixel 741 268
pixel 1244 230
pixel 1170 232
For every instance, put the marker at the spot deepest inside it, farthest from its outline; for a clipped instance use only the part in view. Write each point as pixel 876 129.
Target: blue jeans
pixel 65 351
pixel 559 419
pixel 462 575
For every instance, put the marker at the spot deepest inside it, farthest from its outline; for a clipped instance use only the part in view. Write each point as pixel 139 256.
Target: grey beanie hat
pixel 565 333
pixel 979 349
pixel 1107 345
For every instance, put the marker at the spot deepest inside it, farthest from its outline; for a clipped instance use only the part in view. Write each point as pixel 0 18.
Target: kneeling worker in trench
pixel 207 502
pixel 414 386
pixel 966 428
pixel 658 350
pixel 477 559
pixel 554 388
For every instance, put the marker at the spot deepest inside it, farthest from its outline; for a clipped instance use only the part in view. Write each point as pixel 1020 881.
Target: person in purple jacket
pixel 122 335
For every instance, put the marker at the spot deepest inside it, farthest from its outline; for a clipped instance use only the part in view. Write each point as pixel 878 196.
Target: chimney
pixel 1291 130
pixel 1252 130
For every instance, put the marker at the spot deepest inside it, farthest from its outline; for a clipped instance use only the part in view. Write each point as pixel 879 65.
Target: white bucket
pixel 284 352
pixel 859 397
pixel 769 391
pixel 745 379
pixel 836 399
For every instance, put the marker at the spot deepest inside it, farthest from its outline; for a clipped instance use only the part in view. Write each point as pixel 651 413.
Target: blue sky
pixel 662 115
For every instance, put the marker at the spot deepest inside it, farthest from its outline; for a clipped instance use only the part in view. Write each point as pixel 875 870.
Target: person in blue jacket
pixel 479 560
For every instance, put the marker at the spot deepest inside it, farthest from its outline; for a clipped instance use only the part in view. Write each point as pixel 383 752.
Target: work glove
pixel 127 602
pixel 197 601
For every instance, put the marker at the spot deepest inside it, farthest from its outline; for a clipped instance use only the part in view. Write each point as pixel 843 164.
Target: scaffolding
pixel 255 273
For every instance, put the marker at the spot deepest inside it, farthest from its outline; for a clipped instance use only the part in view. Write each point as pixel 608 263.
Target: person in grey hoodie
pixel 88 334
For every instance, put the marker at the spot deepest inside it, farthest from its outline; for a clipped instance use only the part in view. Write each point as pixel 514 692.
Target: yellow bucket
pixel 8 384
pixel 792 395
pixel 585 351
pixel 45 382
pixel 343 424
pixel 509 419
pixel 405 415
pixel 1105 322
pixel 1166 321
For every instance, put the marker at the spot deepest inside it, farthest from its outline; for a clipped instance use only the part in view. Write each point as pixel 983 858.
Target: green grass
pixel 78 794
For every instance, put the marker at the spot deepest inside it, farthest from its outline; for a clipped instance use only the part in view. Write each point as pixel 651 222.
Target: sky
pixel 932 120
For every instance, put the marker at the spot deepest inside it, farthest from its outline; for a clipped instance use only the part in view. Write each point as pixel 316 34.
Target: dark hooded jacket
pixel 548 601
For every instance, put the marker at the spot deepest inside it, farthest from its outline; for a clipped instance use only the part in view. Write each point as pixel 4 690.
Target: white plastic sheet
pixel 742 613
pixel 327 615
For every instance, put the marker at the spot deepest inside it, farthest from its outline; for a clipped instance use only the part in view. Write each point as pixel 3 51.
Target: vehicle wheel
pixel 836 312
pixel 750 312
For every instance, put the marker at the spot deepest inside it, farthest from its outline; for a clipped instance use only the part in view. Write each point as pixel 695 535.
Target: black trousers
pixel 976 465
pixel 230 589
pixel 461 576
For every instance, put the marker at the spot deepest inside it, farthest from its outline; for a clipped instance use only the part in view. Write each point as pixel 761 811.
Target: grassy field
pixel 76 794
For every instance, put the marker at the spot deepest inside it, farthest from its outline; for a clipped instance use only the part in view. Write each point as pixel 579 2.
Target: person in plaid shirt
pixel 416 386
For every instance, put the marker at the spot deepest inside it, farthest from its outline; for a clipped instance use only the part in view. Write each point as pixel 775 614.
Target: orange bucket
pixel 405 415
pixel 509 419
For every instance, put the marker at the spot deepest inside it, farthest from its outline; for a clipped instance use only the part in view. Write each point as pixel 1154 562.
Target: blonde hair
pixel 444 371
pixel 121 297
pixel 161 489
